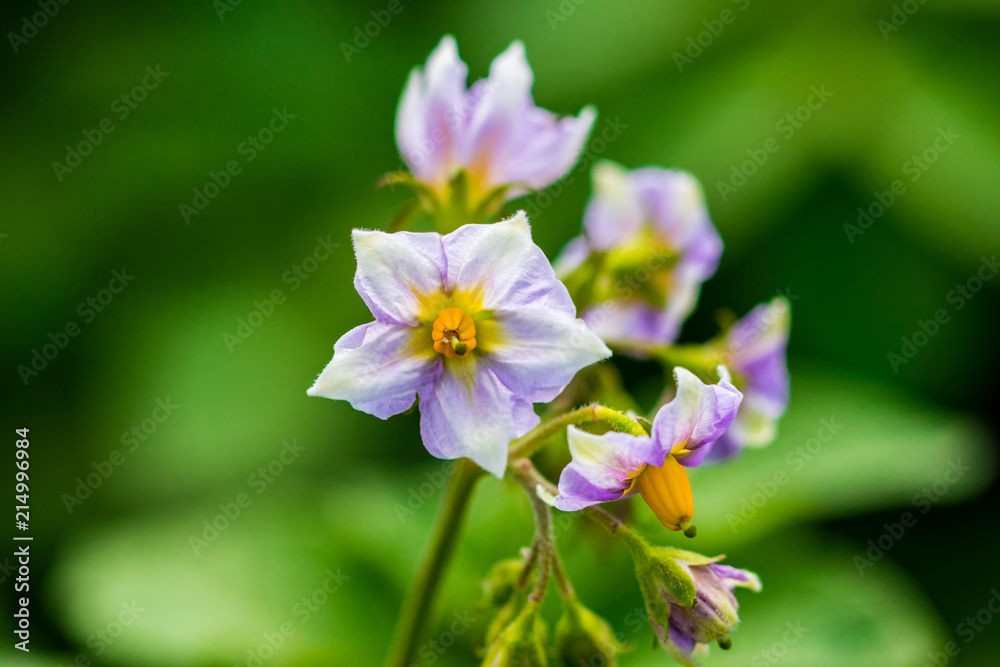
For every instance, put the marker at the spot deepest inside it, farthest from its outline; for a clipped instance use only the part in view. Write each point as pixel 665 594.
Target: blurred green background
pixel 117 579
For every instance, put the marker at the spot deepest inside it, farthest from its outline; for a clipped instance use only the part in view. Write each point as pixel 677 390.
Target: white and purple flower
pixel 690 598
pixel 493 132
pixel 617 465
pixel 474 322
pixel 755 349
pixel 655 244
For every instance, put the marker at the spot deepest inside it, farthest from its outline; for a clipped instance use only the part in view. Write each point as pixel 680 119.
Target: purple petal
pixel 396 270
pixel 734 577
pixel 428 127
pixel 621 322
pixel 503 268
pixel 680 640
pixel 547 149
pixel 537 352
pixel 469 412
pixel 602 468
pixel 697 416
pixel 377 369
pixel 614 213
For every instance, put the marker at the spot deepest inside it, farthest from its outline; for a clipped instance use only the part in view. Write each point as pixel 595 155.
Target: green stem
pixel 529 444
pixel 420 596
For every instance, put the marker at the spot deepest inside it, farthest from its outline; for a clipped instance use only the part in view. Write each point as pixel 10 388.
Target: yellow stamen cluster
pixel 454 333
pixel 667 491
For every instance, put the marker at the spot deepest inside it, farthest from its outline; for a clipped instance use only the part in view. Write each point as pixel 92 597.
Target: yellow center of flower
pixel 454 333
pixel 667 491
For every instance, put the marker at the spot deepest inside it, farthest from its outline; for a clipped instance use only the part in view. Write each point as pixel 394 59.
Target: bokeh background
pixel 329 515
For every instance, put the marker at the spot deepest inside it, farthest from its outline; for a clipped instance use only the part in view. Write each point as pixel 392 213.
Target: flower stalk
pixel 420 597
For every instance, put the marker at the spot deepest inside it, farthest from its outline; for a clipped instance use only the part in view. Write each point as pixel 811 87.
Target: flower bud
pixel 499 583
pixel 689 597
pixel 584 638
pixel 522 643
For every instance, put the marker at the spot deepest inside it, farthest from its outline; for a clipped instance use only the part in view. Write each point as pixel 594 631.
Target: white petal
pixel 396 270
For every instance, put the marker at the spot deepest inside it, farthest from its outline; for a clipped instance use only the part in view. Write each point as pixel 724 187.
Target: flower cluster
pixel 474 326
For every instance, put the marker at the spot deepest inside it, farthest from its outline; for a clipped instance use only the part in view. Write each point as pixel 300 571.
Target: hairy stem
pixel 420 597
pixel 529 444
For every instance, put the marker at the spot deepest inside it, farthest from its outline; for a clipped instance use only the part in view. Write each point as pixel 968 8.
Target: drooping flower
pixel 475 323
pixel 470 147
pixel 689 597
pixel 755 349
pixel 617 465
pixel 650 243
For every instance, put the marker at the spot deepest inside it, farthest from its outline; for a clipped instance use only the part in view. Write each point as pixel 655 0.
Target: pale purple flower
pixel 475 323
pixel 492 130
pixel 659 245
pixel 755 349
pixel 709 616
pixel 617 465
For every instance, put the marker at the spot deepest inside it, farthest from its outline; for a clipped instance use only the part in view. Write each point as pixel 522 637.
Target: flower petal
pixel 428 121
pixel 602 468
pixel 395 270
pixel 504 268
pixel 548 148
pixel 537 352
pixel 377 369
pixel 469 412
pixel 697 416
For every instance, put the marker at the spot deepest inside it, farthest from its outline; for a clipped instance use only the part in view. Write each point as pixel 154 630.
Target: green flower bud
pixel 689 597
pixel 584 638
pixel 522 643
pixel 499 583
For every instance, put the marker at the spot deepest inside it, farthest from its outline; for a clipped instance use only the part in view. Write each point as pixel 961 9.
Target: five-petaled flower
pixel 616 465
pixel 650 243
pixel 755 349
pixel 473 147
pixel 474 322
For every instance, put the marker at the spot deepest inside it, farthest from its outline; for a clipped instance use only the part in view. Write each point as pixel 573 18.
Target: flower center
pixel 454 333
